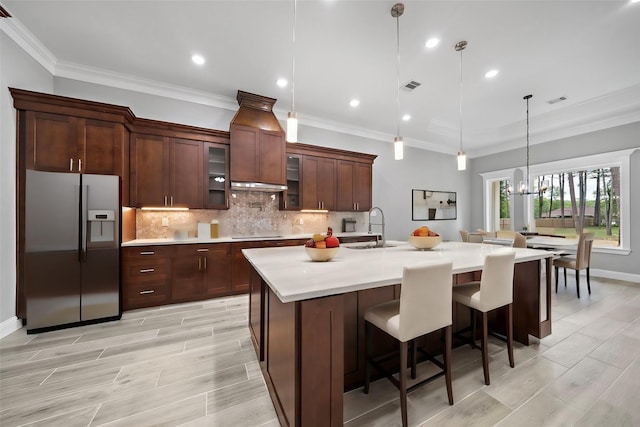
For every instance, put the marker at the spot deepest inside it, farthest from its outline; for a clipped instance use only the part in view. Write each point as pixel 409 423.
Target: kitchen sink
pixel 369 246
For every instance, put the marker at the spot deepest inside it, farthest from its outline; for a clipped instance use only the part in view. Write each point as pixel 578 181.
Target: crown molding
pixel 28 42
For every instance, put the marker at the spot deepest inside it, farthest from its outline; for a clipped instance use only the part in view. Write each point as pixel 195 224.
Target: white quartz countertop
pixel 192 240
pixel 292 275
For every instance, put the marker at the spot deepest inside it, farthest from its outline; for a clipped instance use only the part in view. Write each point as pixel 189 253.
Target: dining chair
pixel 464 235
pixel 424 307
pixel 581 261
pixel 519 241
pixel 493 291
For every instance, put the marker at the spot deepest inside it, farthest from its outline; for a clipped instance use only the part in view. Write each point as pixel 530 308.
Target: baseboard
pixel 616 275
pixel 10 325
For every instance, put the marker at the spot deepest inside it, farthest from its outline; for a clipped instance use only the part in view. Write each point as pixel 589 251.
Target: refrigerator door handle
pixel 83 222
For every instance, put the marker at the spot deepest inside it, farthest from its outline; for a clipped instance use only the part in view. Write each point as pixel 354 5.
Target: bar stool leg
pixel 414 357
pixel 510 334
pixel 578 282
pixel 403 382
pixel 367 353
pixel 447 362
pixel 557 280
pixel 588 281
pixel 485 350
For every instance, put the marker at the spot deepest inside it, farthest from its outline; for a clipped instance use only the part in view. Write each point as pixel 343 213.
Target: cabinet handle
pixel 202 250
pixel 227 203
pixel 199 264
pixel 149 291
pixel 70 165
pixel 147 253
pixel 165 200
pixel 285 204
pixel 147 270
pixel 79 165
pixel 171 201
pixel 204 258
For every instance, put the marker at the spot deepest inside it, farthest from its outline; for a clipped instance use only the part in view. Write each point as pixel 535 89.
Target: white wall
pixel 604 141
pixel 18 70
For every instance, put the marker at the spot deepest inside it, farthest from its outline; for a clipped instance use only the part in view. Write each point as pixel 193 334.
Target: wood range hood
pixel 257 145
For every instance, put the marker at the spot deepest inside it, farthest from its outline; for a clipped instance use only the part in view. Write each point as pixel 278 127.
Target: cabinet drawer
pixel 135 253
pixel 139 295
pixel 153 270
pixel 204 249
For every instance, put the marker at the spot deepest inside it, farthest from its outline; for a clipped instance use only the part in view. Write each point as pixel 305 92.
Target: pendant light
pixel 462 157
pixel 524 188
pixel 292 117
pixel 398 144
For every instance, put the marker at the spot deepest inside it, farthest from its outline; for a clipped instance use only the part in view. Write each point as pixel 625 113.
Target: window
pixel 601 191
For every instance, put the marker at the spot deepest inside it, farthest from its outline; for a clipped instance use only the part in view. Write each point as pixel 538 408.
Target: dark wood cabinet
pixel 354 186
pixel 291 198
pixel 216 176
pixel 200 271
pixel 257 155
pixel 166 172
pixel 146 276
pixel 62 143
pixel 332 179
pixel 318 183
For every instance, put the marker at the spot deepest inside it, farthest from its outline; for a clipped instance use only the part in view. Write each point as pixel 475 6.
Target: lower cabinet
pixel 165 274
pixel 146 276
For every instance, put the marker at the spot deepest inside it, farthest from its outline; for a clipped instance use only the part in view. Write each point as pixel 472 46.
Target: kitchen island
pixel 306 318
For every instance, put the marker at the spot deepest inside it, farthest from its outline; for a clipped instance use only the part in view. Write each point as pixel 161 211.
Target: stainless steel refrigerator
pixel 72 244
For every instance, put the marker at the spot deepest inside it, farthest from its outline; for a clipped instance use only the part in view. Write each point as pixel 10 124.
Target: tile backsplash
pixel 249 214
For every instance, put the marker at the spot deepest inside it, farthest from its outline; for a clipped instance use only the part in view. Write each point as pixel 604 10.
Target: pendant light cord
pixel 527 98
pixel 293 61
pixel 461 99
pixel 398 76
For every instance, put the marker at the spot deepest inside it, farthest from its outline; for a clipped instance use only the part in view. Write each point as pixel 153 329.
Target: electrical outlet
pixel 165 221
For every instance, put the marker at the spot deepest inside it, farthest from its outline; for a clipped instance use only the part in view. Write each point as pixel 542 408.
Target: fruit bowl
pixel 321 254
pixel 425 242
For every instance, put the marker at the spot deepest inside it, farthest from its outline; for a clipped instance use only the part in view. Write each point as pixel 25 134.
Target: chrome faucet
pixel 375 208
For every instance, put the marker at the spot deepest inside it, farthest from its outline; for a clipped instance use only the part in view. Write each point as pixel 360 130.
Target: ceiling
pixel 585 51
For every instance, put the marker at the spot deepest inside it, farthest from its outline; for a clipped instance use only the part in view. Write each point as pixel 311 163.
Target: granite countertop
pixel 229 239
pixel 292 275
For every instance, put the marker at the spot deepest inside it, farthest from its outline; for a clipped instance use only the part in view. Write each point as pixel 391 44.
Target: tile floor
pixel 194 365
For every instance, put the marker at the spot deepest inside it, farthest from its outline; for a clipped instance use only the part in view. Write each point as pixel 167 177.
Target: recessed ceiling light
pixel 197 59
pixel 406 117
pixel 432 42
pixel 491 74
pixel 635 1
pixel 354 102
pixel 282 82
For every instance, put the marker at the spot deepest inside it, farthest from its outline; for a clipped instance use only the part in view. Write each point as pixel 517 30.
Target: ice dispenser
pixel 102 227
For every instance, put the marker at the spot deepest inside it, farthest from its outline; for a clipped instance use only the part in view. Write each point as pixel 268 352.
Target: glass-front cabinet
pixel 216 175
pixel 290 199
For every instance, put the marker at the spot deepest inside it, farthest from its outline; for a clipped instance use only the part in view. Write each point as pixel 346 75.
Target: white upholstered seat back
pixel 425 299
pixel 496 284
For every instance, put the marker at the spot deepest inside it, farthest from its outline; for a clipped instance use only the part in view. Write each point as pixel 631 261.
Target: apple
pixel 321 245
pixel 332 242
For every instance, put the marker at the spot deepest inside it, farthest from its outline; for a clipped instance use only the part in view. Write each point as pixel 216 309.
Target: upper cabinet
pixel 331 179
pixel 318 183
pixel 354 186
pixel 166 172
pixel 216 157
pixel 176 165
pixel 291 198
pixel 60 134
pixel 257 144
pixel 60 143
